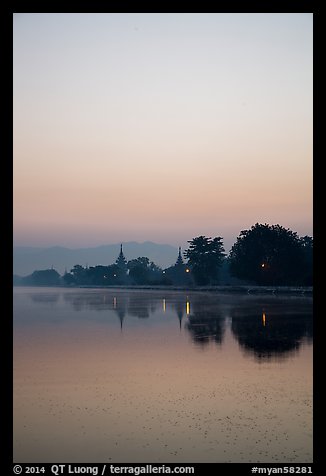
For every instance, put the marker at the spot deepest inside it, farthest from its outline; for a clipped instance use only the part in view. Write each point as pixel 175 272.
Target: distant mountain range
pixel 28 259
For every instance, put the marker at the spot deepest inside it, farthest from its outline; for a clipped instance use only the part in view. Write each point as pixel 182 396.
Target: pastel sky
pixel 161 127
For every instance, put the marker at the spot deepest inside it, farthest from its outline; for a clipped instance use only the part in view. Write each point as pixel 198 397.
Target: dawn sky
pixel 161 127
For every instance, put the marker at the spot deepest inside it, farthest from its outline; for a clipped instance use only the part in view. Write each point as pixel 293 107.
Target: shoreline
pixel 242 289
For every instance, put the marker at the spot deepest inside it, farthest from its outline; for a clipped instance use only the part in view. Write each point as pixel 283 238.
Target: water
pixel 161 376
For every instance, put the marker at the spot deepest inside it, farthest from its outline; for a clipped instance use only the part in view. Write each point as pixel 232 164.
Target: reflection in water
pixel 45 297
pixel 206 327
pixel 139 308
pixel 120 307
pixel 82 301
pixel 279 336
pixel 205 323
pixel 272 327
pixel 179 310
pixel 263 326
pixel 84 392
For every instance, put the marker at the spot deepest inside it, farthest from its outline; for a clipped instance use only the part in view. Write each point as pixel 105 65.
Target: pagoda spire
pixel 121 261
pixel 121 317
pixel 180 312
pixel 119 307
pixel 179 261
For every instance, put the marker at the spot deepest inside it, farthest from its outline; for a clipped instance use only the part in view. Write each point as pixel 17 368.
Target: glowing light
pixel 263 265
pixel 163 272
pixel 187 308
pixel 187 270
pixel 114 302
pixel 264 319
pixel 115 275
pixel 164 305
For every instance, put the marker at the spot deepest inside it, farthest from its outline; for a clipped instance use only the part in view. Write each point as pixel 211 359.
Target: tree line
pixel 263 255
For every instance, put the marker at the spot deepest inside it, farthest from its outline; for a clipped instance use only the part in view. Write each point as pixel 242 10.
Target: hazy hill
pixel 28 259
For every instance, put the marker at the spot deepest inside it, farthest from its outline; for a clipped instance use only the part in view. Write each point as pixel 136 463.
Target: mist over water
pixel 161 376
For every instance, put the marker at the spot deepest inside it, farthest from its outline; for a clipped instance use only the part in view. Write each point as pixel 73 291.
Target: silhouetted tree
pixel 68 279
pixel 205 256
pixel 139 270
pixel 79 274
pixel 17 280
pixel 178 275
pixel 116 274
pixel 143 271
pixel 44 277
pixel 269 254
pixel 307 244
pixel 104 275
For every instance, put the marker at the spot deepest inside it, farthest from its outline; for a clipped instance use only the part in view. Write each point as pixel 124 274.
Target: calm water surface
pixel 155 376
